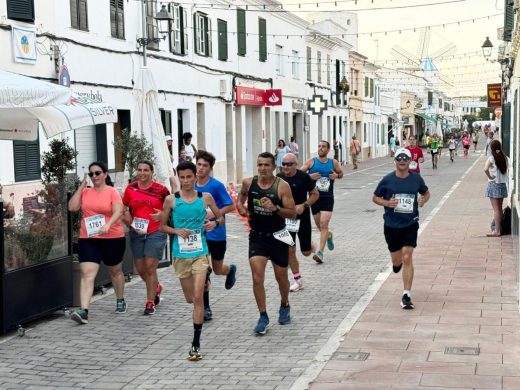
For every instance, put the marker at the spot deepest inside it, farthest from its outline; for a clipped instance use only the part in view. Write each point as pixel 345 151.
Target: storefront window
pixel 37 232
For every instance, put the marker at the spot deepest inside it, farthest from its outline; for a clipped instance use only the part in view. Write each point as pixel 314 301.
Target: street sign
pixel 317 104
pixel 494 95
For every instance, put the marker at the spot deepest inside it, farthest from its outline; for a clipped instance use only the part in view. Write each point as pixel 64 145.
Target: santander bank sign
pixel 258 97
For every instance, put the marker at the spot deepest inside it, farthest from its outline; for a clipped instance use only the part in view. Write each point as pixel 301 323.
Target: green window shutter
pixel 366 86
pixel 83 15
pixel 241 32
pixel 20 10
pixel 309 65
pixel 26 160
pixel 262 39
pixel 74 23
pixel 195 34
pixel 372 90
pixel 509 20
pixel 113 18
pixel 120 18
pixel 209 43
pixel 222 40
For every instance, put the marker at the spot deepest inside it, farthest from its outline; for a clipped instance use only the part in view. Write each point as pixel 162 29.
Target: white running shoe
pixel 297 285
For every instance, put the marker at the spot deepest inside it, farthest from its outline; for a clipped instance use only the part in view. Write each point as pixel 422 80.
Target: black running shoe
pixel 231 277
pixel 397 268
pixel 194 354
pixel 208 314
pixel 406 302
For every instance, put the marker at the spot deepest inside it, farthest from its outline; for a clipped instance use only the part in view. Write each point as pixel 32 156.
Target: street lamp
pixel 344 85
pixel 487 48
pixel 144 41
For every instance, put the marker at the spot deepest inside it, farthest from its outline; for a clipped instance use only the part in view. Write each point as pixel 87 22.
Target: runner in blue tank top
pixel 187 211
pixel 324 170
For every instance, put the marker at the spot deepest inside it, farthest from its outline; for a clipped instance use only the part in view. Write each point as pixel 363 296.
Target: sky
pixel 469 73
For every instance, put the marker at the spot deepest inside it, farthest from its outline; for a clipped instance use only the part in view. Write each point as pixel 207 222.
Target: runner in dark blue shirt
pixel 399 193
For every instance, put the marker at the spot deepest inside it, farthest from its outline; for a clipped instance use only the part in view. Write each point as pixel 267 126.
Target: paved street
pixel 131 351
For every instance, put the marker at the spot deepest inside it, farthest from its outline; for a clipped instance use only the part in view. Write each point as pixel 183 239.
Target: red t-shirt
pixel 144 201
pixel 416 155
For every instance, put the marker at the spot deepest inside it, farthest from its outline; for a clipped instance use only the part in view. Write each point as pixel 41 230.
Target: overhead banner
pixel 24 44
pixel 494 95
pixel 258 97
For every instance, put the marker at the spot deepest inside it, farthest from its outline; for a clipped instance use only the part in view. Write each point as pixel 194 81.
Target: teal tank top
pixel 189 216
pixel 324 185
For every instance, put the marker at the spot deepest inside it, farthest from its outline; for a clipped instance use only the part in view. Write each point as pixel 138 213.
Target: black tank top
pixel 261 219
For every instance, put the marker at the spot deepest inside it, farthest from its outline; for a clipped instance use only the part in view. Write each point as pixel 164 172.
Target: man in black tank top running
pixel 269 202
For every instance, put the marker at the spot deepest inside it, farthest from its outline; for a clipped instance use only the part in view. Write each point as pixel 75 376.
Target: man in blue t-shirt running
pixel 398 193
pixel 216 238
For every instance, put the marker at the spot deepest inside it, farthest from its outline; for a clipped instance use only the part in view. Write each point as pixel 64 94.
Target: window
pixel 364 132
pixel 328 69
pixel 78 14
pixel 372 91
pixel 430 98
pixel 262 39
pixel 367 85
pixel 20 10
pixel 295 67
pixel 355 82
pixel 166 120
pixel 440 103
pixel 117 19
pixel 309 65
pixel 26 160
pixel 318 62
pixel 222 40
pixel 202 34
pixel 241 32
pixel 151 24
pixel 178 31
pixel 279 60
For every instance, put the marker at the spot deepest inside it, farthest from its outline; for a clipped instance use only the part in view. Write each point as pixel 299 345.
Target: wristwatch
pixel 217 223
pixel 305 205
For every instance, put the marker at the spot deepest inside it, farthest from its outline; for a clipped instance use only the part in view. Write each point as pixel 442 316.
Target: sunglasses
pixel 402 158
pixel 96 173
pixel 287 164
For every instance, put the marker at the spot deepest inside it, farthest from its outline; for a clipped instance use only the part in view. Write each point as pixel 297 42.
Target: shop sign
pixel 298 105
pixel 258 97
pixel 494 95
pixel 317 104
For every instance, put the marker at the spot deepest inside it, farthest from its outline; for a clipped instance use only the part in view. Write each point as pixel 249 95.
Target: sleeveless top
pixel 324 185
pixel 191 216
pixel 261 219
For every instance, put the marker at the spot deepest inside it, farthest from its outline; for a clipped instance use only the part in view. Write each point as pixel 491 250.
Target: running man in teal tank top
pixel 324 171
pixel 186 210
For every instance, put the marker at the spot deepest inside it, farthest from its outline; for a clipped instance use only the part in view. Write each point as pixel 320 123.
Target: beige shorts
pixel 187 266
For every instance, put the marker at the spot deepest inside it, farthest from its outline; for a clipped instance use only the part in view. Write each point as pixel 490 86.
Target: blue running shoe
pixel 330 242
pixel 285 315
pixel 262 325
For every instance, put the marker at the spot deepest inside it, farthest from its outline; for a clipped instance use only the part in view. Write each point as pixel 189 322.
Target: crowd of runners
pixel 278 207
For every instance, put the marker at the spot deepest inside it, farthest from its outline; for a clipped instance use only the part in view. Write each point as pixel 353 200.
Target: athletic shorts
pixel 466 146
pixel 149 245
pixel 265 245
pixel 304 234
pixel 107 250
pixel 397 238
pixel 187 266
pixel 434 153
pixel 323 204
pixel 217 250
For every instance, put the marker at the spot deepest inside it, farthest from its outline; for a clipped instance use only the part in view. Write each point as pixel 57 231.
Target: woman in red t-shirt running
pixel 144 199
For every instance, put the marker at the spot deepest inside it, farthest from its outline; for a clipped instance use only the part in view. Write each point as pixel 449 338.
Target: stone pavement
pixel 465 295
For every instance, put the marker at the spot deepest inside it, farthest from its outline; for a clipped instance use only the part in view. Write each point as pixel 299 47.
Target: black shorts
pixel 323 204
pixel 107 250
pixel 217 249
pixel 397 238
pixel 304 233
pixel 266 245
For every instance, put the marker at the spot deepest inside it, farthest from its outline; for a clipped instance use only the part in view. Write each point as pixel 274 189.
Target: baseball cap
pixel 403 151
pixel 168 138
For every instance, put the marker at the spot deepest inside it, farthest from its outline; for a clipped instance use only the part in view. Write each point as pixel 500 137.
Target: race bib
pixel 405 203
pixel 191 244
pixel 293 225
pixel 413 164
pixel 434 150
pixel 140 225
pixel 284 236
pixel 94 224
pixel 323 184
